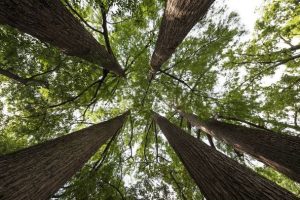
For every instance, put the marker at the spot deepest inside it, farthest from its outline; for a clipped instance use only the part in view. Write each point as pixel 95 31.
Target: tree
pixel 217 176
pixel 39 171
pixel 264 68
pixel 179 18
pixel 276 150
pixel 140 163
pixel 51 22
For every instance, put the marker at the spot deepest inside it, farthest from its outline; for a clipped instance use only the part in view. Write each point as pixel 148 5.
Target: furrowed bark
pixel 282 152
pixel 179 18
pixel 217 176
pixel 51 22
pixel 39 171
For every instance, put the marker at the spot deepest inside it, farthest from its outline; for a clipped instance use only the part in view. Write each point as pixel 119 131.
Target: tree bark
pixel 217 176
pixel 51 22
pixel 279 151
pixel 210 140
pixel 39 171
pixel 179 18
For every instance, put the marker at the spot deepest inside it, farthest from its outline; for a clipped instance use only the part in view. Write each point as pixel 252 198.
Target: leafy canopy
pixel 214 73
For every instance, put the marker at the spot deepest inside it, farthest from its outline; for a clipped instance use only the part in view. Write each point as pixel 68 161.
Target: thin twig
pixel 81 18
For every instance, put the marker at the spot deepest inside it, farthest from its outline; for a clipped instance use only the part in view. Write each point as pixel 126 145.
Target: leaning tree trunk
pixel 51 22
pixel 39 171
pixel 217 176
pixel 279 151
pixel 179 18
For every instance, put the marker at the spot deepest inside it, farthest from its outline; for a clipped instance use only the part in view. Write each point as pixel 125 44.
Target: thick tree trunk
pixel 218 176
pixel 39 171
pixel 179 18
pixel 279 151
pixel 51 22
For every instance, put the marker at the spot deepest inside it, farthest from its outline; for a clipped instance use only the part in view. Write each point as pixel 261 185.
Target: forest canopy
pixel 220 70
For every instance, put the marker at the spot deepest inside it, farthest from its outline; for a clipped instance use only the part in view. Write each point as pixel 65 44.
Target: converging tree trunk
pixel 39 171
pixel 51 22
pixel 279 151
pixel 179 18
pixel 217 176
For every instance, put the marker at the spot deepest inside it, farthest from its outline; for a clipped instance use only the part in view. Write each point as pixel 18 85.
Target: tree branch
pixel 178 186
pixel 103 156
pixel 116 188
pixel 105 30
pixel 131 135
pixel 24 81
pixel 81 18
pixel 177 79
pixel 244 121
pixel 278 63
pixel 75 97
pixel 156 142
pixel 94 98
pixel 147 128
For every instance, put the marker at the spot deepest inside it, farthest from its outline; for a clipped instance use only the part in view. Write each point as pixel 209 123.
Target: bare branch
pixel 24 81
pixel 244 121
pixel 103 156
pixel 177 79
pixel 81 18
pixel 75 97
pixel 178 186
pixel 147 128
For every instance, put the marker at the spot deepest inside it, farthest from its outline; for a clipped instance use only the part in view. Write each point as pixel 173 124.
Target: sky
pixel 248 10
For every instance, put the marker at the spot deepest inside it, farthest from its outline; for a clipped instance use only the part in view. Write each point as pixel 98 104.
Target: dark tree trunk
pixel 279 151
pixel 217 176
pixel 179 18
pixel 51 22
pixel 210 140
pixel 39 171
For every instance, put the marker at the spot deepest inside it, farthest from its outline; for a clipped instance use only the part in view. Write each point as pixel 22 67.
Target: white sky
pixel 249 11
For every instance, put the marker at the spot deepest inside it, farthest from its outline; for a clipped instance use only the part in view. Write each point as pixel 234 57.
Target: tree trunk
pixel 210 140
pixel 39 171
pixel 51 22
pixel 179 18
pixel 279 151
pixel 217 176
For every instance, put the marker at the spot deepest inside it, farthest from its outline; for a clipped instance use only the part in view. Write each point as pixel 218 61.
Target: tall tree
pixel 279 151
pixel 39 171
pixel 179 18
pixel 217 176
pixel 51 22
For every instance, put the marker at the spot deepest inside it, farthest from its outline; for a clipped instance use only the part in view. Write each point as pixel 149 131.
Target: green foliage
pixel 212 73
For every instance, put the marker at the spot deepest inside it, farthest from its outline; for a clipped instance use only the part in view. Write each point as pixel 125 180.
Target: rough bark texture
pixel 279 151
pixel 51 22
pixel 179 18
pixel 39 171
pixel 218 176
